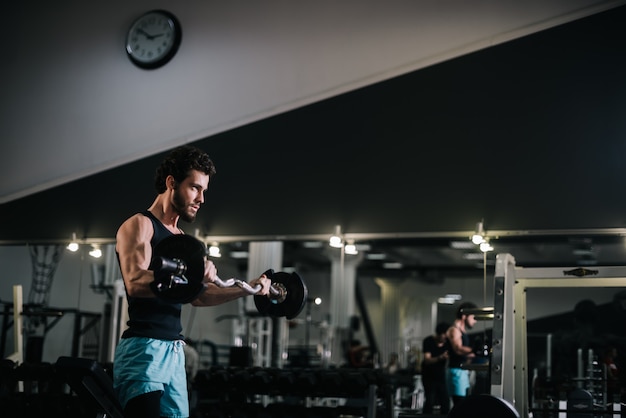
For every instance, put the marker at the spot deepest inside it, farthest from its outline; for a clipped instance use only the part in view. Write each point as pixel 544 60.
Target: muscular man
pixel 149 367
pixel 460 352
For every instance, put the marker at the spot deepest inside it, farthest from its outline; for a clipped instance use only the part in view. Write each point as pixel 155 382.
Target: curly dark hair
pixel 179 162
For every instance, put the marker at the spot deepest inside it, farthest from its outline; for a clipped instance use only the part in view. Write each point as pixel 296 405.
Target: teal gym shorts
pixel 145 365
pixel 458 381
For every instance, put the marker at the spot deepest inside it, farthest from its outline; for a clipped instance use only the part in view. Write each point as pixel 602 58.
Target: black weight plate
pixel 192 252
pixel 295 299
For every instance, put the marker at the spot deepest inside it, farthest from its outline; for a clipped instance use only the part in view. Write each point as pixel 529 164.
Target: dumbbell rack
pixel 329 392
pixel 595 380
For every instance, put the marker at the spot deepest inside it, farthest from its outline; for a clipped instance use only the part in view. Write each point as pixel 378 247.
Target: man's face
pixel 189 195
pixel 470 321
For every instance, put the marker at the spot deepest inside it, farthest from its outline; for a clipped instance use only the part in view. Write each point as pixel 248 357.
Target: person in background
pixel 393 365
pixel 149 369
pixel 612 373
pixel 460 352
pixel 359 355
pixel 435 351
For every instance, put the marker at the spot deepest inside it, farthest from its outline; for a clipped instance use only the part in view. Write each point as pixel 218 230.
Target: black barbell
pixel 178 266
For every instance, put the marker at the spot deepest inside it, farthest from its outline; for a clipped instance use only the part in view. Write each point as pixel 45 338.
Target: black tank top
pixel 153 317
pixel 456 360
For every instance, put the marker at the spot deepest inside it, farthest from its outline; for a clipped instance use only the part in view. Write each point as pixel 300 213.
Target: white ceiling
pixel 73 105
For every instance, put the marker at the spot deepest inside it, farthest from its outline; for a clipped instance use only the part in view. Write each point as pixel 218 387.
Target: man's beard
pixel 467 325
pixel 179 206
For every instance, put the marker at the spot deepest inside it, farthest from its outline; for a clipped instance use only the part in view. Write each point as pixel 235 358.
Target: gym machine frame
pixel 509 358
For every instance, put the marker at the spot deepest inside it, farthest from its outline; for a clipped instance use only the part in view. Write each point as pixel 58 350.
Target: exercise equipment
pixel 178 263
pixel 483 406
pixel 91 383
pixel 509 362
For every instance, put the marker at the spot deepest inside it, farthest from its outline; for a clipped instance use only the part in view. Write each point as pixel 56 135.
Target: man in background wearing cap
pixel 460 352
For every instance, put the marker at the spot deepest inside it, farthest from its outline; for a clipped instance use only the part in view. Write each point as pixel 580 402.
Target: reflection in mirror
pixel 576 340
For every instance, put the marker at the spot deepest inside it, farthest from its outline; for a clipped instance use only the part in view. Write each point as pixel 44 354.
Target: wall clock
pixel 153 39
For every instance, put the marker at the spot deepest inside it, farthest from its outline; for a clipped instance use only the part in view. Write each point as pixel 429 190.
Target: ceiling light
pixel 73 245
pixel 312 244
pixel 461 245
pixel 449 299
pixel 477 239
pixel 376 256
pixel 239 254
pixel 473 256
pixel 335 240
pixel 485 246
pixel 95 252
pixel 392 266
pixel 214 250
pixel 350 248
pixel 583 251
pixel 479 235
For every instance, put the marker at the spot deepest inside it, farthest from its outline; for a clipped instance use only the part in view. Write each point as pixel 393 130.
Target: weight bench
pixel 483 406
pixel 91 384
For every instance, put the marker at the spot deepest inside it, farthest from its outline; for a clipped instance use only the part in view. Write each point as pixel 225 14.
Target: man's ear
pixel 170 182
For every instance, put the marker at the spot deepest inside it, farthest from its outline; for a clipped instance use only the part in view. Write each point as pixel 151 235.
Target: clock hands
pixel 143 32
pixel 147 35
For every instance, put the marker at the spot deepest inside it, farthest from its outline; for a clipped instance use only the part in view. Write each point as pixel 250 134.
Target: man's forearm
pixel 214 295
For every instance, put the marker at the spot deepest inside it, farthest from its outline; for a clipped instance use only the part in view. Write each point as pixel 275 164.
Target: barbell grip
pixel 245 286
pixel 178 267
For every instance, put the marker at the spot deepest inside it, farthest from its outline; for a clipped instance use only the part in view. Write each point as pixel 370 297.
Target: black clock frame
pixel 178 36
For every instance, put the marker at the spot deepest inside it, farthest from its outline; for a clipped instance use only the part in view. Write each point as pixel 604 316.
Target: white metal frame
pixel 118 317
pixel 509 374
pixel 18 326
pixel 260 339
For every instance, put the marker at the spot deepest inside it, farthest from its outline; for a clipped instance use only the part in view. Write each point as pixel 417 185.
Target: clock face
pixel 153 39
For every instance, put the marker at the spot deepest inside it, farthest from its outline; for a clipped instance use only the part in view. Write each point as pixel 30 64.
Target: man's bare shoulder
pixel 453 331
pixel 136 223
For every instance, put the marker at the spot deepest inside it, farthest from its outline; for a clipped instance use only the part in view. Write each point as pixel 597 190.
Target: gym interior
pixel 403 133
